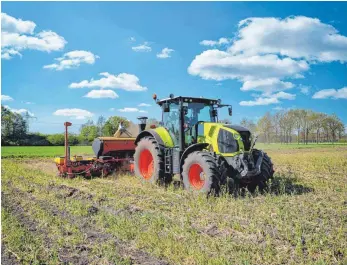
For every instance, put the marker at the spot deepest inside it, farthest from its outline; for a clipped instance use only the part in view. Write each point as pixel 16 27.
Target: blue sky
pixel 256 56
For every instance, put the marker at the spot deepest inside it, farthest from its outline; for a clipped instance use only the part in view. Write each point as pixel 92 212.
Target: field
pixel 119 220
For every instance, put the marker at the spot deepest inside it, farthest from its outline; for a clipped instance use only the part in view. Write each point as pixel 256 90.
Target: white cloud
pixel 267 51
pixel 6 98
pixel 144 105
pixel 132 39
pixel 331 93
pixel 266 86
pixel 142 48
pixel 7 54
pixel 18 35
pixel 132 110
pixel 260 101
pixel 305 89
pixel 29 103
pixel 112 109
pixel 20 111
pixel 295 37
pixel 219 65
pixel 101 94
pixel 124 81
pixel 277 108
pixel 72 59
pixel 165 53
pixel 221 41
pixel 77 113
pixel 11 24
pixel 283 95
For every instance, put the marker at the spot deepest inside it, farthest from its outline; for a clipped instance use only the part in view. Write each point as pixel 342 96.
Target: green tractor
pixel 206 154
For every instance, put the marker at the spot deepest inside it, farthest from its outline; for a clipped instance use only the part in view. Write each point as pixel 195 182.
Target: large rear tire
pixel 149 162
pixel 200 173
pixel 260 181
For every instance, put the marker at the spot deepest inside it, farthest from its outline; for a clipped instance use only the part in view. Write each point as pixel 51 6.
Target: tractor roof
pixel 188 100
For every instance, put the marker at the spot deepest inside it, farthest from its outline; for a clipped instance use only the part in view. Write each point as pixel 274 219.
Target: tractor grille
pixel 227 142
pixel 245 135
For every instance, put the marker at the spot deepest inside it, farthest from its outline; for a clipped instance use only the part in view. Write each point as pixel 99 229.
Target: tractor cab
pixel 183 117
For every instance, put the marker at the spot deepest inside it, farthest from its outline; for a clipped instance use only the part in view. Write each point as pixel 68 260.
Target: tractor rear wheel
pixel 149 162
pixel 200 173
pixel 260 181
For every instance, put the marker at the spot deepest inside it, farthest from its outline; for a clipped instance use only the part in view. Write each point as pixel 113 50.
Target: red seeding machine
pixel 111 154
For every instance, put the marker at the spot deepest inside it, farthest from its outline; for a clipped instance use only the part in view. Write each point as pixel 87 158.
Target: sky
pixel 78 60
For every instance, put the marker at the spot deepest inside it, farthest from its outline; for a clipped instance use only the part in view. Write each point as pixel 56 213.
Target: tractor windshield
pixel 198 112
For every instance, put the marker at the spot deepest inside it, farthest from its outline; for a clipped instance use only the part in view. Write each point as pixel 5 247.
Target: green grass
pixel 42 151
pixel 301 221
pixel 274 146
pixel 52 151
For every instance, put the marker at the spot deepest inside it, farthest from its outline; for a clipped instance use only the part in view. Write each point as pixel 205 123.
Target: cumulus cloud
pixel 101 94
pixel 123 81
pixel 142 48
pixel 220 65
pixel 6 98
pixel 266 52
pixel 260 101
pixel 283 95
pixel 144 105
pixel 331 93
pixel 266 86
pixel 132 110
pixel 165 53
pixel 77 113
pixel 221 41
pixel 72 59
pixel 20 111
pixel 295 37
pixel 305 89
pixel 11 24
pixel 18 35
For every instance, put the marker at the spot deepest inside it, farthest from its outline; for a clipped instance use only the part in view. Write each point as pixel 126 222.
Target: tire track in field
pixel 93 235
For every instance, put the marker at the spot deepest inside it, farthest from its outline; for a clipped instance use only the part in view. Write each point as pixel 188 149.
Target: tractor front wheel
pixel 200 173
pixel 149 162
pixel 267 172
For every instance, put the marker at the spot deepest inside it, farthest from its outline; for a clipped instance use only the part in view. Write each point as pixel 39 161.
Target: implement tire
pixel 260 181
pixel 200 173
pixel 149 162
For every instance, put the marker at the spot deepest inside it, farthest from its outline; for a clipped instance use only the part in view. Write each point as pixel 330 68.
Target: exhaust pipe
pixel 142 123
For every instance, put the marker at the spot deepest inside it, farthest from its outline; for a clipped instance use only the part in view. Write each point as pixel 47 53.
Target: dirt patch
pixel 79 255
pixel 45 165
pixel 8 257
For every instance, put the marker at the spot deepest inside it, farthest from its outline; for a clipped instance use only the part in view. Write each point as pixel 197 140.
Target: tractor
pixel 191 143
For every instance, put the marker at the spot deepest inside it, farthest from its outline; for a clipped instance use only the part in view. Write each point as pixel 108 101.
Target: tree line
pixel 15 130
pixel 297 125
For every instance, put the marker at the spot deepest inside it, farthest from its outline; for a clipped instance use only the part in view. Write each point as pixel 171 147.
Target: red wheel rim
pixel 146 164
pixel 196 176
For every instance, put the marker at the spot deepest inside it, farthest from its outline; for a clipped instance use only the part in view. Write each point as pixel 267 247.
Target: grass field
pixel 52 151
pixel 119 220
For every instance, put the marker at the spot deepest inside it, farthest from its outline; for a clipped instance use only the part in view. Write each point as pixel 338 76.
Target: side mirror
pixel 230 110
pixel 166 107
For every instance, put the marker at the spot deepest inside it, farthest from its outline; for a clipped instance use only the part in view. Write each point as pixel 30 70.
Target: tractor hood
pixel 237 128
